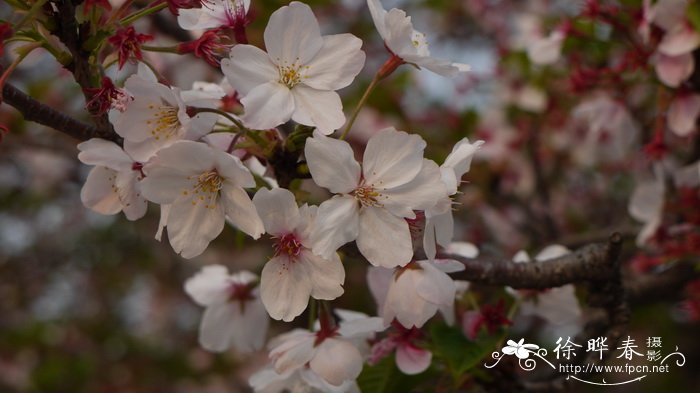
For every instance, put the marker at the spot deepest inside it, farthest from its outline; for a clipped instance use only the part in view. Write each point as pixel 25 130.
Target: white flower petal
pixel 412 360
pixel 680 40
pixel 460 158
pixel 433 285
pixel 546 50
pixel 392 158
pixel 104 153
pixel 647 201
pixel 285 287
pixel 293 351
pixel 217 327
pixel 128 188
pixel 165 185
pixel 320 108
pixel 672 70
pixel 683 114
pixel 399 33
pixel 447 265
pixel 378 16
pixel 247 68
pixel 405 304
pixel 186 157
pixel 241 211
pixel 267 106
pixel 421 193
pixel 209 286
pixel 379 280
pixel 327 275
pixel 99 193
pixel 249 331
pixel 463 249
pixel 332 164
pixel 337 361
pixel 336 64
pixel 384 239
pixel 337 222
pixel 278 210
pixel 551 252
pixel 292 35
pixel 192 226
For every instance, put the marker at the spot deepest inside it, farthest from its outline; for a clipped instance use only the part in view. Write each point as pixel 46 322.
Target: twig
pixel 43 114
pixel 590 263
pixel 87 75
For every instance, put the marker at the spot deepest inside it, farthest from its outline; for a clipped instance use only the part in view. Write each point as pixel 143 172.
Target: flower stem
pixel 386 69
pixel 359 106
pixel 312 312
pixel 224 114
pixel 140 14
pixel 164 49
pixel 22 52
pixel 30 14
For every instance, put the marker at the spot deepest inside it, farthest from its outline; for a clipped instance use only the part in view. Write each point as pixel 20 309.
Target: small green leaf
pixel 693 12
pixel 461 354
pixel 385 377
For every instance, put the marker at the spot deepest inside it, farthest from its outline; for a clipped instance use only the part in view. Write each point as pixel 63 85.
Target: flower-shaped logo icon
pixel 519 349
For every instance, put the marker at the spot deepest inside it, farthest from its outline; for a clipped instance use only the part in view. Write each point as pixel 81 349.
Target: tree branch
pixel 34 110
pixel 87 75
pixel 590 263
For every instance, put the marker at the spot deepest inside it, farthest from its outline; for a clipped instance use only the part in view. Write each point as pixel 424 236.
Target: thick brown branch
pixel 34 110
pixel 590 263
pixel 87 75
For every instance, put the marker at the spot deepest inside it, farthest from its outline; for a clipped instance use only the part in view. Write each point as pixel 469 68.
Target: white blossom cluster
pixel 171 157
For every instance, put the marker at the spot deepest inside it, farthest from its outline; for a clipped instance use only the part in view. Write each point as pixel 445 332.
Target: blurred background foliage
pixel 90 303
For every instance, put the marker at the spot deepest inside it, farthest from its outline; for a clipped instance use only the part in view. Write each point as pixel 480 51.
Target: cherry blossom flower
pixel 295 272
pixel 683 113
pixel 157 116
pixel 372 201
pixel 410 358
pixel 439 223
pixel 176 5
pixel 215 14
pixel 674 60
pixel 208 46
pixel 113 184
pixel 646 205
pixel 128 43
pixel 490 316
pixel 409 45
pixel 234 314
pixel 558 306
pixel 608 130
pixel 203 186
pixel 328 356
pixel 546 50
pixel 107 97
pixel 297 77
pixel 419 290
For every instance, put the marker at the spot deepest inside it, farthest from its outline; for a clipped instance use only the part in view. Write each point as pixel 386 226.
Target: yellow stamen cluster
pixel 367 196
pixel 165 121
pixel 207 188
pixel 291 75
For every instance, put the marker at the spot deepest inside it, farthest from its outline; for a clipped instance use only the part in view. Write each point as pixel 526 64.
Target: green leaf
pixel 693 12
pixel 385 377
pixel 461 354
